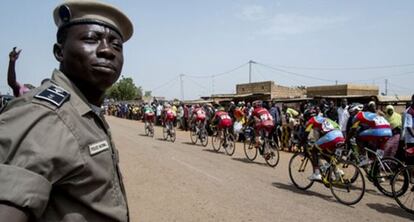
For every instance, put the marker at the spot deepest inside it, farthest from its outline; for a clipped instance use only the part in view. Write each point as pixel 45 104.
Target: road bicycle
pixel 223 138
pixel 342 177
pixel 199 133
pixel 380 171
pixel 168 131
pixel 403 188
pixel 267 147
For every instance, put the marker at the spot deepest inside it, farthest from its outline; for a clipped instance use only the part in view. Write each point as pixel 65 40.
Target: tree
pixel 125 89
pixel 148 93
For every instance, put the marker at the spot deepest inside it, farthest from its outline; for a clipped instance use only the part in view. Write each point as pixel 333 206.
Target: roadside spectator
pixel 18 89
pixel 343 115
pixel 158 113
pixel 409 132
pixel 332 112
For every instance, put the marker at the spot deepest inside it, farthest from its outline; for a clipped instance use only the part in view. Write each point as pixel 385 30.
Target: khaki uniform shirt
pixel 58 161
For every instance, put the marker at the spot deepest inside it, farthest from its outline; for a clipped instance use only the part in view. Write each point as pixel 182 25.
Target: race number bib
pixel 380 121
pixel 327 126
pixel 265 117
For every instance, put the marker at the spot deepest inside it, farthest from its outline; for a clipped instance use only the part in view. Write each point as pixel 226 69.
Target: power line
pixel 294 73
pixel 385 76
pixel 345 68
pixel 166 83
pixel 218 74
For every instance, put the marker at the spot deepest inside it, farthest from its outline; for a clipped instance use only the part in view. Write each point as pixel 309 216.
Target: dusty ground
pixel 182 182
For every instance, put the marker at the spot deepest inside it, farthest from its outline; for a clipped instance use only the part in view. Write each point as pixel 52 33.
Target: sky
pixel 209 43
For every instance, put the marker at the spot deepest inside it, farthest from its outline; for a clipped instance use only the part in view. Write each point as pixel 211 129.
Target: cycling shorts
pixel 266 125
pixel 149 117
pixel 200 118
pixel 170 117
pixel 225 123
pixel 329 141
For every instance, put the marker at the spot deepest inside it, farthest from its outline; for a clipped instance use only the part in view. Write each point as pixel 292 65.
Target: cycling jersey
pixel 223 120
pixel 263 119
pixel 329 131
pixel 372 126
pixel 169 114
pixel 200 114
pixel 374 130
pixel 149 114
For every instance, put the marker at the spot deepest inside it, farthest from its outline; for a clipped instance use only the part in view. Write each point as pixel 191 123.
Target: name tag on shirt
pixel 98 147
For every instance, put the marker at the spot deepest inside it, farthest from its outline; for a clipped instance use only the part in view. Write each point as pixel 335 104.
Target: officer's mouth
pixel 104 68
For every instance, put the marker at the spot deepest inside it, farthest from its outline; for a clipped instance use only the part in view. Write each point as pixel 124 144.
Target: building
pixel 270 90
pixel 342 90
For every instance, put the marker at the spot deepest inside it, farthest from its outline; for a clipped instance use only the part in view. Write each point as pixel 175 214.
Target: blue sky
pixel 308 43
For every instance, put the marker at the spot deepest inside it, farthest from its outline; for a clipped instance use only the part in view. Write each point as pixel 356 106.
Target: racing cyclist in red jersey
pixel 222 120
pixel 262 120
pixel 198 115
pixel 168 115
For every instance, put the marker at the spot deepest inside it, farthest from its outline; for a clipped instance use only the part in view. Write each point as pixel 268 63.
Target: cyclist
pixel 168 115
pixel 148 115
pixel 327 135
pixel 198 115
pixel 262 121
pixel 221 120
pixel 370 130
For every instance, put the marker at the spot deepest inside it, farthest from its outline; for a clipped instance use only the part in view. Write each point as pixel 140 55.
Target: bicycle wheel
pixel 230 147
pixel 165 133
pixel 216 141
pixel 146 129
pixel 405 189
pixel 194 136
pixel 250 150
pixel 204 138
pixel 384 172
pixel 172 135
pixel 300 168
pixel 347 183
pixel 272 159
pixel 151 131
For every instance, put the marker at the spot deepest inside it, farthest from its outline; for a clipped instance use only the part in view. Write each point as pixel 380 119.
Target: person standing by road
pixel 343 115
pixel 58 161
pixel 18 88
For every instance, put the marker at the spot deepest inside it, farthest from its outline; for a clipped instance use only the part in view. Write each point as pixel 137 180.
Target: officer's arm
pixel 12 214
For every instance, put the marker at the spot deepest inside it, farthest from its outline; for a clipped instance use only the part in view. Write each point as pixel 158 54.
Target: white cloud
pixel 252 13
pixel 290 24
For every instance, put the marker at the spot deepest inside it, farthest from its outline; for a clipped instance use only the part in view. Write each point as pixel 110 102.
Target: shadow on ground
pixel 245 160
pixel 391 208
pixel 292 188
pixel 212 151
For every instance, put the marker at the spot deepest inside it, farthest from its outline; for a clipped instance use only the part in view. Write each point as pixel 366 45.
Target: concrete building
pixel 270 89
pixel 342 90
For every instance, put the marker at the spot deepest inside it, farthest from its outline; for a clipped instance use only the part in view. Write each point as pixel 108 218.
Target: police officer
pixel 57 158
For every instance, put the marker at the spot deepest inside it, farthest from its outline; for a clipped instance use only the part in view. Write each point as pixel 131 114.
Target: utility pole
pixel 386 87
pixel 212 84
pixel 250 70
pixel 182 87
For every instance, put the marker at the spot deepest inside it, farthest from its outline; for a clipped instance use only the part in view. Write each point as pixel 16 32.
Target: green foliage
pixel 148 93
pixel 125 89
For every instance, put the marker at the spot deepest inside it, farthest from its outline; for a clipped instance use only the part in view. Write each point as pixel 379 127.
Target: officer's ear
pixel 58 52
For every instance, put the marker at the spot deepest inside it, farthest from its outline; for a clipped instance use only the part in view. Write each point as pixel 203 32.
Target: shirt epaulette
pixel 54 95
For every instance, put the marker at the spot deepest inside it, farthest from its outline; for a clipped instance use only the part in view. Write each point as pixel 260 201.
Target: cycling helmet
pixel 356 107
pixel 310 112
pixel 220 108
pixel 257 103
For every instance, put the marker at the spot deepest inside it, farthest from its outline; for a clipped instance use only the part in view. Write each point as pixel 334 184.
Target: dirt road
pixel 182 182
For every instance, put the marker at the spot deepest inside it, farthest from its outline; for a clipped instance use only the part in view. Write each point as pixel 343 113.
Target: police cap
pixel 72 12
